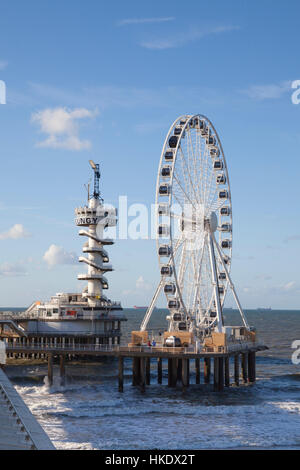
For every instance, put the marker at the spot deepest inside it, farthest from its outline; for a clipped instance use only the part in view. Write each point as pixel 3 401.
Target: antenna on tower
pixel 87 187
pixel 97 175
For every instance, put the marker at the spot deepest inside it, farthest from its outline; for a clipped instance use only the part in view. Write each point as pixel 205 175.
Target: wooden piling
pixel 142 374
pixel 179 370
pixel 220 374
pixel 50 369
pixel 216 372
pixel 251 367
pixel 188 372
pixel 227 371
pixel 237 370
pixel 197 370
pixel 207 368
pixel 148 370
pixel 244 361
pixel 121 373
pixel 135 371
pixel 62 370
pixel 174 372
pixel 184 374
pixel 159 370
pixel 170 371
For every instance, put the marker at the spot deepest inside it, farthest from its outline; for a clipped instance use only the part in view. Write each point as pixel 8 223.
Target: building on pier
pixel 89 317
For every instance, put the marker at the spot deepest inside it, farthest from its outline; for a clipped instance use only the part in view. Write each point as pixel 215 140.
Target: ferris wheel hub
pixel 211 223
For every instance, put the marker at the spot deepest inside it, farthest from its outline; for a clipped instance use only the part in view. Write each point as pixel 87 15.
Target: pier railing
pixel 16 415
pixel 70 348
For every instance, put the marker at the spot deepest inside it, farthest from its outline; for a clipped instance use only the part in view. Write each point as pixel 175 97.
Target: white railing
pixel 15 413
pixel 97 347
pixel 124 348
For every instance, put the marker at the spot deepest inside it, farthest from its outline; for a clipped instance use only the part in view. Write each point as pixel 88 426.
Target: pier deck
pixel 242 357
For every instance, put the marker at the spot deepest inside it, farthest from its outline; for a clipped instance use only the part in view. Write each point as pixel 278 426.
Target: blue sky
pixel 121 73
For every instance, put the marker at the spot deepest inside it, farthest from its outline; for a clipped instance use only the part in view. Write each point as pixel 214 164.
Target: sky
pixel 104 81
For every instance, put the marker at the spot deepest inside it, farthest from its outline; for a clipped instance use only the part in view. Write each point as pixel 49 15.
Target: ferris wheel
pixel 194 227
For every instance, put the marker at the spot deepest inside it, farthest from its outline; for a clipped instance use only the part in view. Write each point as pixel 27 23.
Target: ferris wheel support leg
pixel 179 279
pixel 232 288
pixel 198 281
pixel 215 284
pixel 151 307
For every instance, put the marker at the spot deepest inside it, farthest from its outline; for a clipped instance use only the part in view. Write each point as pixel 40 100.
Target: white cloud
pixel 263 277
pixel 3 64
pixel 57 255
pixel 292 238
pixel 290 286
pixel 12 269
pixel 180 39
pixel 145 20
pixel 268 91
pixel 61 126
pixel 246 289
pixel 141 284
pixel 15 232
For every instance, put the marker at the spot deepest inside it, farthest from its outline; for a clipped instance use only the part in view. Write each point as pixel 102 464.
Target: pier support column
pixel 197 369
pixel 148 369
pixel 227 371
pixel 170 371
pixel 142 374
pixel 179 370
pixel 207 367
pixel 237 370
pixel 216 372
pixel 244 359
pixel 121 373
pixel 50 369
pixel 174 372
pixel 159 370
pixel 185 373
pixel 135 371
pixel 251 367
pixel 62 370
pixel 221 374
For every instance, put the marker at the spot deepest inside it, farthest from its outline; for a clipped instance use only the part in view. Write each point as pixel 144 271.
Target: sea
pixel 88 412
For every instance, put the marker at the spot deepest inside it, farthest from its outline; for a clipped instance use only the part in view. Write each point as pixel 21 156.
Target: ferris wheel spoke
pixel 192 161
pixel 197 285
pixel 190 150
pixel 185 172
pixel 183 162
pixel 178 199
pixel 190 180
pixel 179 184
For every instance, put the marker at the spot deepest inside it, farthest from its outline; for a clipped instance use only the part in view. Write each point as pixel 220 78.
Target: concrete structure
pixel 19 430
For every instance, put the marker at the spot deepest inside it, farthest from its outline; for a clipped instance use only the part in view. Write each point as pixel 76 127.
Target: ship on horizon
pixel 142 307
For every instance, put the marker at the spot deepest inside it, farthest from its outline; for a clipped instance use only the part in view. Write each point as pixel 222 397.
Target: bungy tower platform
pixel 75 319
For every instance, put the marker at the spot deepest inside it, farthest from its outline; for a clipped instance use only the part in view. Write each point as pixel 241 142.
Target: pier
pixel 19 430
pixel 216 366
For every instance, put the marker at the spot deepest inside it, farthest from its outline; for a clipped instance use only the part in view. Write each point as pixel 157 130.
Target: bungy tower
pixel 96 217
pixel 72 318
